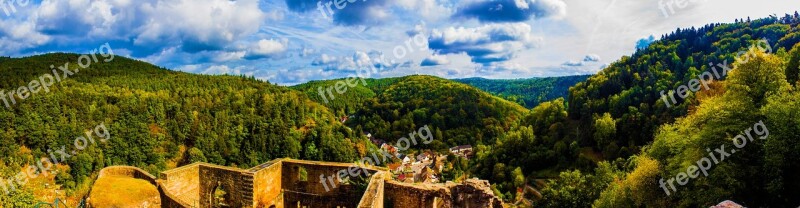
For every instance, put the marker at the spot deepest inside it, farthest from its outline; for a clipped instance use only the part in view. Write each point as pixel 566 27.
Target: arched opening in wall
pixel 300 205
pixel 388 202
pixel 302 174
pixel 220 196
pixel 438 203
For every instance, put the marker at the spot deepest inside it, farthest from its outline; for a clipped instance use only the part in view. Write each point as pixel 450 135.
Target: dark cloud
pixel 591 58
pixel 572 63
pixel 512 10
pixel 348 12
pixel 194 46
pixel 435 61
pixel 361 12
pixel 302 5
pixel 492 59
pixel 486 44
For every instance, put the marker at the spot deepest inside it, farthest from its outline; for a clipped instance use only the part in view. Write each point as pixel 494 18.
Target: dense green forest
pixel 160 119
pixel 458 114
pixel 527 92
pixel 620 107
pixel 629 89
pixel 349 102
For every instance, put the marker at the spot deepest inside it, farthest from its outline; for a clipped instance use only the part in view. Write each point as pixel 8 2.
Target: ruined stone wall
pixel 292 169
pixel 402 195
pixel 474 193
pixel 296 183
pixel 181 184
pixel 308 190
pixel 127 171
pixel 373 197
pixel 471 193
pixel 213 177
pixel 267 186
pixel 168 200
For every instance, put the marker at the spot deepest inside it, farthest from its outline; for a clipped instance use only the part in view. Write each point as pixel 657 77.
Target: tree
pixel 546 116
pixel 196 155
pixel 783 119
pixel 793 67
pixel 18 198
pixel 604 129
pixel 519 178
pixel 572 189
pixel 757 78
pixel 637 189
pixel 499 172
pixel 311 151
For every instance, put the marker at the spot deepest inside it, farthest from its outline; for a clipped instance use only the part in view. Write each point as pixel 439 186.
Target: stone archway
pixel 220 196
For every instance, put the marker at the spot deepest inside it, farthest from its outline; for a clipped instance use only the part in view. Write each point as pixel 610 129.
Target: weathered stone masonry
pixel 296 183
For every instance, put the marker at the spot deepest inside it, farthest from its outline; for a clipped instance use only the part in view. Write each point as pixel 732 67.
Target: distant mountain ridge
pixel 528 92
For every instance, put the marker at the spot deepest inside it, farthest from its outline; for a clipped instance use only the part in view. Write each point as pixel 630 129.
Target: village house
pixel 462 151
pixel 423 157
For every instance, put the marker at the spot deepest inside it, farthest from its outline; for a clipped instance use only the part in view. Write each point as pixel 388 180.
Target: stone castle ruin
pixel 296 183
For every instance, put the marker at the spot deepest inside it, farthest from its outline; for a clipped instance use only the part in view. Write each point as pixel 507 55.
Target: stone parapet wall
pixel 291 183
pixel 402 195
pixel 471 193
pixel 373 197
pixel 182 184
pixel 168 200
pixel 267 190
pixel 127 171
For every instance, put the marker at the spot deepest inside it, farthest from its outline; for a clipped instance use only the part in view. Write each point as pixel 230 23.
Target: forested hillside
pixel 510 141
pixel 349 102
pixel 629 89
pixel 527 92
pixel 735 141
pixel 457 113
pixel 160 119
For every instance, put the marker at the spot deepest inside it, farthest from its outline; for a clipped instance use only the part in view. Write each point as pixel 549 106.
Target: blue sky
pixel 294 41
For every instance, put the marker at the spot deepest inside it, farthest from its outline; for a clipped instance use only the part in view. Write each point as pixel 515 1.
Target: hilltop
pixel 457 113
